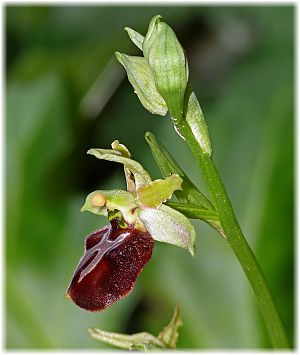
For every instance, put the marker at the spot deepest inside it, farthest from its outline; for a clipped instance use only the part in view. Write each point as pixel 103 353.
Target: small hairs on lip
pixel 112 261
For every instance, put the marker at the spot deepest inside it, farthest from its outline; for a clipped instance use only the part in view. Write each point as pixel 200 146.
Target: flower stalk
pixel 165 67
pixel 238 243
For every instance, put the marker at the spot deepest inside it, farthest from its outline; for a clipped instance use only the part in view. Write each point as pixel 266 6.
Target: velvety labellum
pixel 108 270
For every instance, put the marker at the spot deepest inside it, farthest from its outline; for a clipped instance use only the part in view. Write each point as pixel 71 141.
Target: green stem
pixel 238 243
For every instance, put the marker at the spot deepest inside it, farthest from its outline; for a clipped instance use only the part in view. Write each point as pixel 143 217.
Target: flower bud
pixel 168 63
pixel 160 77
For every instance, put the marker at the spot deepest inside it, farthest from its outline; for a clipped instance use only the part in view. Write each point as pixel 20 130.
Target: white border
pixel 3 160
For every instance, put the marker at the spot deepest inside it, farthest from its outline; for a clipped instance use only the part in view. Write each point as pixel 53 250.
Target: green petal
pixel 115 200
pixel 168 64
pixel 169 226
pixel 140 175
pixel 116 145
pixel 136 37
pixel 158 191
pixel 141 78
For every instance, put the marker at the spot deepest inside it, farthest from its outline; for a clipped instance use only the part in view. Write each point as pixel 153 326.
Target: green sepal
pixel 169 335
pixel 140 174
pixel 198 212
pixel 168 63
pixel 194 117
pixel 120 200
pixel 158 191
pixel 136 37
pixel 141 78
pixel 169 226
pixel 168 166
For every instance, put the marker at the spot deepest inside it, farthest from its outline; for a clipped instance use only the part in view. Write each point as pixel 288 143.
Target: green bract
pixel 160 79
pixel 142 205
pixel 196 121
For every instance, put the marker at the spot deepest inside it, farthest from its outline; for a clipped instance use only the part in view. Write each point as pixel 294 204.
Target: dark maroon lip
pixel 112 260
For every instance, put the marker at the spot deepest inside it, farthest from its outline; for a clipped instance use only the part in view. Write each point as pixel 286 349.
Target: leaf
pixel 169 226
pixel 168 166
pixel 169 334
pixel 140 175
pixel 158 191
pixel 114 200
pixel 195 120
pixel 168 63
pixel 141 78
pixel 139 341
pixel 136 37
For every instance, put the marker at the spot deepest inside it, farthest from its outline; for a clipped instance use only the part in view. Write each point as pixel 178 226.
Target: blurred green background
pixel 65 93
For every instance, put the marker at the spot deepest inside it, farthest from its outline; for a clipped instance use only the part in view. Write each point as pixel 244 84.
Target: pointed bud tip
pixel 149 136
pixel 156 18
pixel 119 57
pixel 192 250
